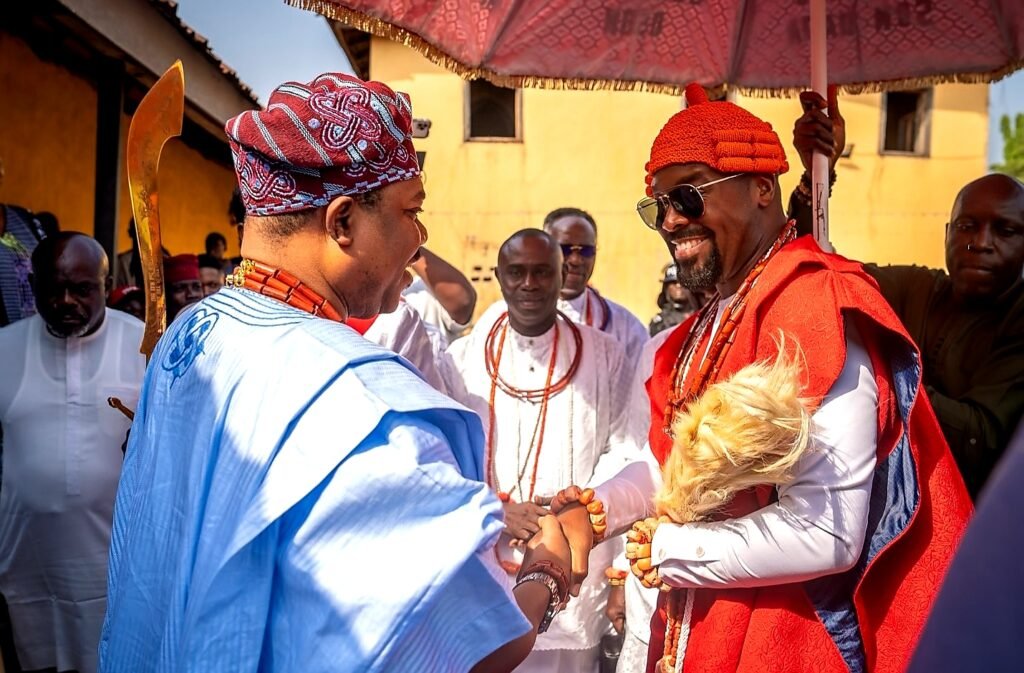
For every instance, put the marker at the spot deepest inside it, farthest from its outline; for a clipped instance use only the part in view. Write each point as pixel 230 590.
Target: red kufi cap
pixel 121 293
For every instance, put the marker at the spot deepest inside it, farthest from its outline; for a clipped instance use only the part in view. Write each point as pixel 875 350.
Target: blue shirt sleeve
pixel 381 567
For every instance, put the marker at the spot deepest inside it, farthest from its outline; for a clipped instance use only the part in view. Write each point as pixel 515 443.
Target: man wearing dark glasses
pixel 834 569
pixel 576 233
pixel 969 322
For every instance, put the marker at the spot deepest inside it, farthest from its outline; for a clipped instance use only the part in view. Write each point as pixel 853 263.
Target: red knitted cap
pixel 181 267
pixel 720 134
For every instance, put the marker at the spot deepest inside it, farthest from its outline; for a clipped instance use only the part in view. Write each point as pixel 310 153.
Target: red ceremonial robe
pixel 866 619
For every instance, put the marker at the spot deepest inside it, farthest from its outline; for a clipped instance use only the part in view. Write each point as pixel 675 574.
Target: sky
pixel 266 41
pixel 1004 97
pixel 269 42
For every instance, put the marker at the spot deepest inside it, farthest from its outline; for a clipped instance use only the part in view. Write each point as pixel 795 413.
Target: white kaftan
pixel 61 462
pixel 623 325
pixel 404 332
pixel 433 312
pixel 640 601
pixel 585 440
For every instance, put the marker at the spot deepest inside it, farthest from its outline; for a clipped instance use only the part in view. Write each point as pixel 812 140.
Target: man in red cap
pixel 836 569
pixel 294 497
pixel 181 278
pixel 130 299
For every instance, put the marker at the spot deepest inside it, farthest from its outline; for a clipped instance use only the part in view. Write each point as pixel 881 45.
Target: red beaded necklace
pixel 280 285
pixel 682 393
pixel 494 347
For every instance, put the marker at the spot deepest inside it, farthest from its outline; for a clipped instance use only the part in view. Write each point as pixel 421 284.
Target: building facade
pixel 72 73
pixel 499 160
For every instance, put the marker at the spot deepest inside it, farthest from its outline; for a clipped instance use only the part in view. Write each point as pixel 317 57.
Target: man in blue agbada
pixel 294 498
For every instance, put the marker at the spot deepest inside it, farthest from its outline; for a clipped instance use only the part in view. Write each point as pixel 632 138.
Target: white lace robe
pixel 585 440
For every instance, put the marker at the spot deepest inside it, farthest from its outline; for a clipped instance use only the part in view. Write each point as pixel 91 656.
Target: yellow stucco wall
pixel 194 195
pixel 889 208
pixel 587 149
pixel 48 149
pixel 47 136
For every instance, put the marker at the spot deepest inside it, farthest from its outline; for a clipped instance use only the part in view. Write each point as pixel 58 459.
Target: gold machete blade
pixel 157 120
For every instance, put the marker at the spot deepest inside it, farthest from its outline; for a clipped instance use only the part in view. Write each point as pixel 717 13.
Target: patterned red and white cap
pixel 334 136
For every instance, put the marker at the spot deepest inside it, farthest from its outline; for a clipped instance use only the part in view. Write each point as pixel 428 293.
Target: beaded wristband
pixel 803 188
pixel 616 577
pixel 598 517
pixel 555 579
pixel 556 573
pixel 641 536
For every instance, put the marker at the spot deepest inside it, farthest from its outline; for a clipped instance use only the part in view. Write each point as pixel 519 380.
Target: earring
pixel 970 248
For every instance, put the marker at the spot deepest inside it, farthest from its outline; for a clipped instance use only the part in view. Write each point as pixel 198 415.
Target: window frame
pixel 924 134
pixel 467 119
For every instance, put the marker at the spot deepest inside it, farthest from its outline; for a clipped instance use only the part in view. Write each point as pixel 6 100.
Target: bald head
pixel 985 238
pixel 78 247
pixel 536 239
pixel 530 275
pixel 70 281
pixel 993 186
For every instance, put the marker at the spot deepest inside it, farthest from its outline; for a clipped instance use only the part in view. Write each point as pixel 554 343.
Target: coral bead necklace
pixel 680 603
pixel 280 285
pixel 494 347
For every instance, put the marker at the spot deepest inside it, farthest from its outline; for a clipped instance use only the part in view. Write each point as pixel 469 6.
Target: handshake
pixel 561 530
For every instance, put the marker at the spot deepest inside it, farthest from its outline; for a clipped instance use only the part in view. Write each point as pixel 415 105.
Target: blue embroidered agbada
pixel 295 498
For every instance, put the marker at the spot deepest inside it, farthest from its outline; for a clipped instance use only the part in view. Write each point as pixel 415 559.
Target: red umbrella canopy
pixel 662 45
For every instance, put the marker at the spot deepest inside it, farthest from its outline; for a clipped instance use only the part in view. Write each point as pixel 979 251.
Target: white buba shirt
pixel 585 440
pixel 61 463
pixel 640 601
pixel 433 313
pixel 815 528
pixel 403 331
pixel 623 325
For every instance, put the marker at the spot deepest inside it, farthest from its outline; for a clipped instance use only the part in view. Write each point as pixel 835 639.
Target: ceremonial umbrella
pixel 662 45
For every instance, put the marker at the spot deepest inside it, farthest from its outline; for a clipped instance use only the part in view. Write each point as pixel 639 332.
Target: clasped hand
pixel 524 522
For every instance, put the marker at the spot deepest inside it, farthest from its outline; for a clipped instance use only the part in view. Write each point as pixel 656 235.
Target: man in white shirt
pixel 553 396
pixel 62 452
pixel 575 231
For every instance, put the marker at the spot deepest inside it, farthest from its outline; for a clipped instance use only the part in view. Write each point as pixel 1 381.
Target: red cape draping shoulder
pixel 868 618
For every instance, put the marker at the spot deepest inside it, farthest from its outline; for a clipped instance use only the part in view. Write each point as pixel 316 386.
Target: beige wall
pixel 587 149
pixel 889 208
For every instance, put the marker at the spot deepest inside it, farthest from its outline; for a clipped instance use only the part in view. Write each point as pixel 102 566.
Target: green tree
pixel 1013 146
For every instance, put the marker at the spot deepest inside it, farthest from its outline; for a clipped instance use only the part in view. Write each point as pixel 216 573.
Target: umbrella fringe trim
pixel 381 28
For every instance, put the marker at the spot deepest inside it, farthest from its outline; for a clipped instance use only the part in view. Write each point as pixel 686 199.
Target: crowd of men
pixel 332 467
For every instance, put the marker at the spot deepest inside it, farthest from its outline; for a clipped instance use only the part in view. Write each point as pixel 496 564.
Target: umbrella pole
pixel 819 163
